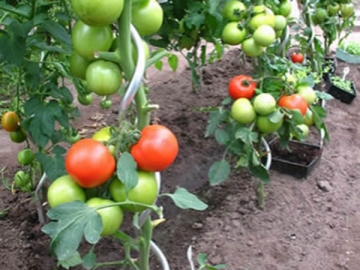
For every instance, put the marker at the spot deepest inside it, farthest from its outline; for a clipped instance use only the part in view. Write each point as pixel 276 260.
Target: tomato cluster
pixel 91 163
pixel 254 27
pixel 325 11
pixel 10 121
pixel 249 107
pixel 92 33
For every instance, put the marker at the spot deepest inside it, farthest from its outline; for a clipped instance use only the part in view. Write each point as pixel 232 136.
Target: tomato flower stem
pixel 108 56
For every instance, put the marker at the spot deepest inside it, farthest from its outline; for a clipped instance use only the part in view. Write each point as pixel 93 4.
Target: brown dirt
pixel 302 226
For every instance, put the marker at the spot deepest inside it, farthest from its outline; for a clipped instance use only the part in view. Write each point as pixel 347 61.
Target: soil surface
pixel 306 225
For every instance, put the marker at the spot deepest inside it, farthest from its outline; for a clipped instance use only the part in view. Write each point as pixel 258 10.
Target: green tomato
pixel 250 48
pixel 304 130
pixel 73 138
pixel 21 179
pixel 18 136
pixel 232 34
pixel 264 104
pixel 309 118
pixel 85 99
pixel 333 9
pixel 285 9
pixel 320 16
pixel 266 126
pixel 64 190
pixel 78 65
pixel 146 51
pixel 145 192
pixel 147 18
pixel 264 35
pixel 111 217
pixel 242 111
pixel 97 12
pixel 234 10
pixel 264 17
pixel 347 10
pixel 308 93
pixel 88 40
pixel 103 77
pixel 25 157
pixel 106 104
pixel 280 22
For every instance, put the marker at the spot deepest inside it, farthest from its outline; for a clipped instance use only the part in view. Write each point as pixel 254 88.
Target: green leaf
pixel 73 260
pixel 215 119
pixel 32 74
pixel 57 31
pixel 185 200
pixel 122 237
pixel 173 62
pixel 260 172
pixel 58 150
pixel 54 166
pixel 202 259
pixel 221 136
pixel 127 171
pixel 246 135
pixel 158 65
pixel 219 172
pixel 276 116
pixel 89 260
pixel 324 95
pixel 67 227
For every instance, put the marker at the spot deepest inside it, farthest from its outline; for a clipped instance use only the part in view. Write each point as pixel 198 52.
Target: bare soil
pixel 312 224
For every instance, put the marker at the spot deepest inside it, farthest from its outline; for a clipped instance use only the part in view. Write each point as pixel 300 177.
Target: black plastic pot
pixel 332 68
pixel 341 94
pixel 285 162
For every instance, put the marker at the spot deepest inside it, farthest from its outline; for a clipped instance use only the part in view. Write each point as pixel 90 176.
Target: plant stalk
pixel 146 235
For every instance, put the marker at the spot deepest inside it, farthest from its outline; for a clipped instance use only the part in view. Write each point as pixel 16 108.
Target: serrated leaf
pixel 58 150
pixel 67 227
pixel 89 260
pixel 221 136
pixel 260 172
pixel 54 166
pixel 219 172
pixel 32 105
pixel 57 31
pixel 215 119
pixel 185 200
pixel 246 135
pixel 127 171
pixel 173 61
pixel 73 260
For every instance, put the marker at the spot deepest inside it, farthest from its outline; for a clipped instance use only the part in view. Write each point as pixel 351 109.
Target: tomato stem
pixel 127 64
pixel 146 235
pixel 108 56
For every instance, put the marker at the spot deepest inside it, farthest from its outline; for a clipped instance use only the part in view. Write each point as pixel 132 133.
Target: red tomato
pixel 297 57
pixel 294 102
pixel 242 86
pixel 156 150
pixel 89 163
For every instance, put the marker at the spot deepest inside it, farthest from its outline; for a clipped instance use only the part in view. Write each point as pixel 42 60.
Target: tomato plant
pixel 89 163
pixel 242 86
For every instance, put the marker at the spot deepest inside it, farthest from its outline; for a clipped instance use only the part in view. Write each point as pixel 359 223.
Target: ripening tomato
pixel 89 163
pixel 242 86
pixel 294 102
pixel 297 57
pixel 97 12
pixel 156 149
pixel 264 104
pixel 10 121
pixel 242 111
pixel 264 35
